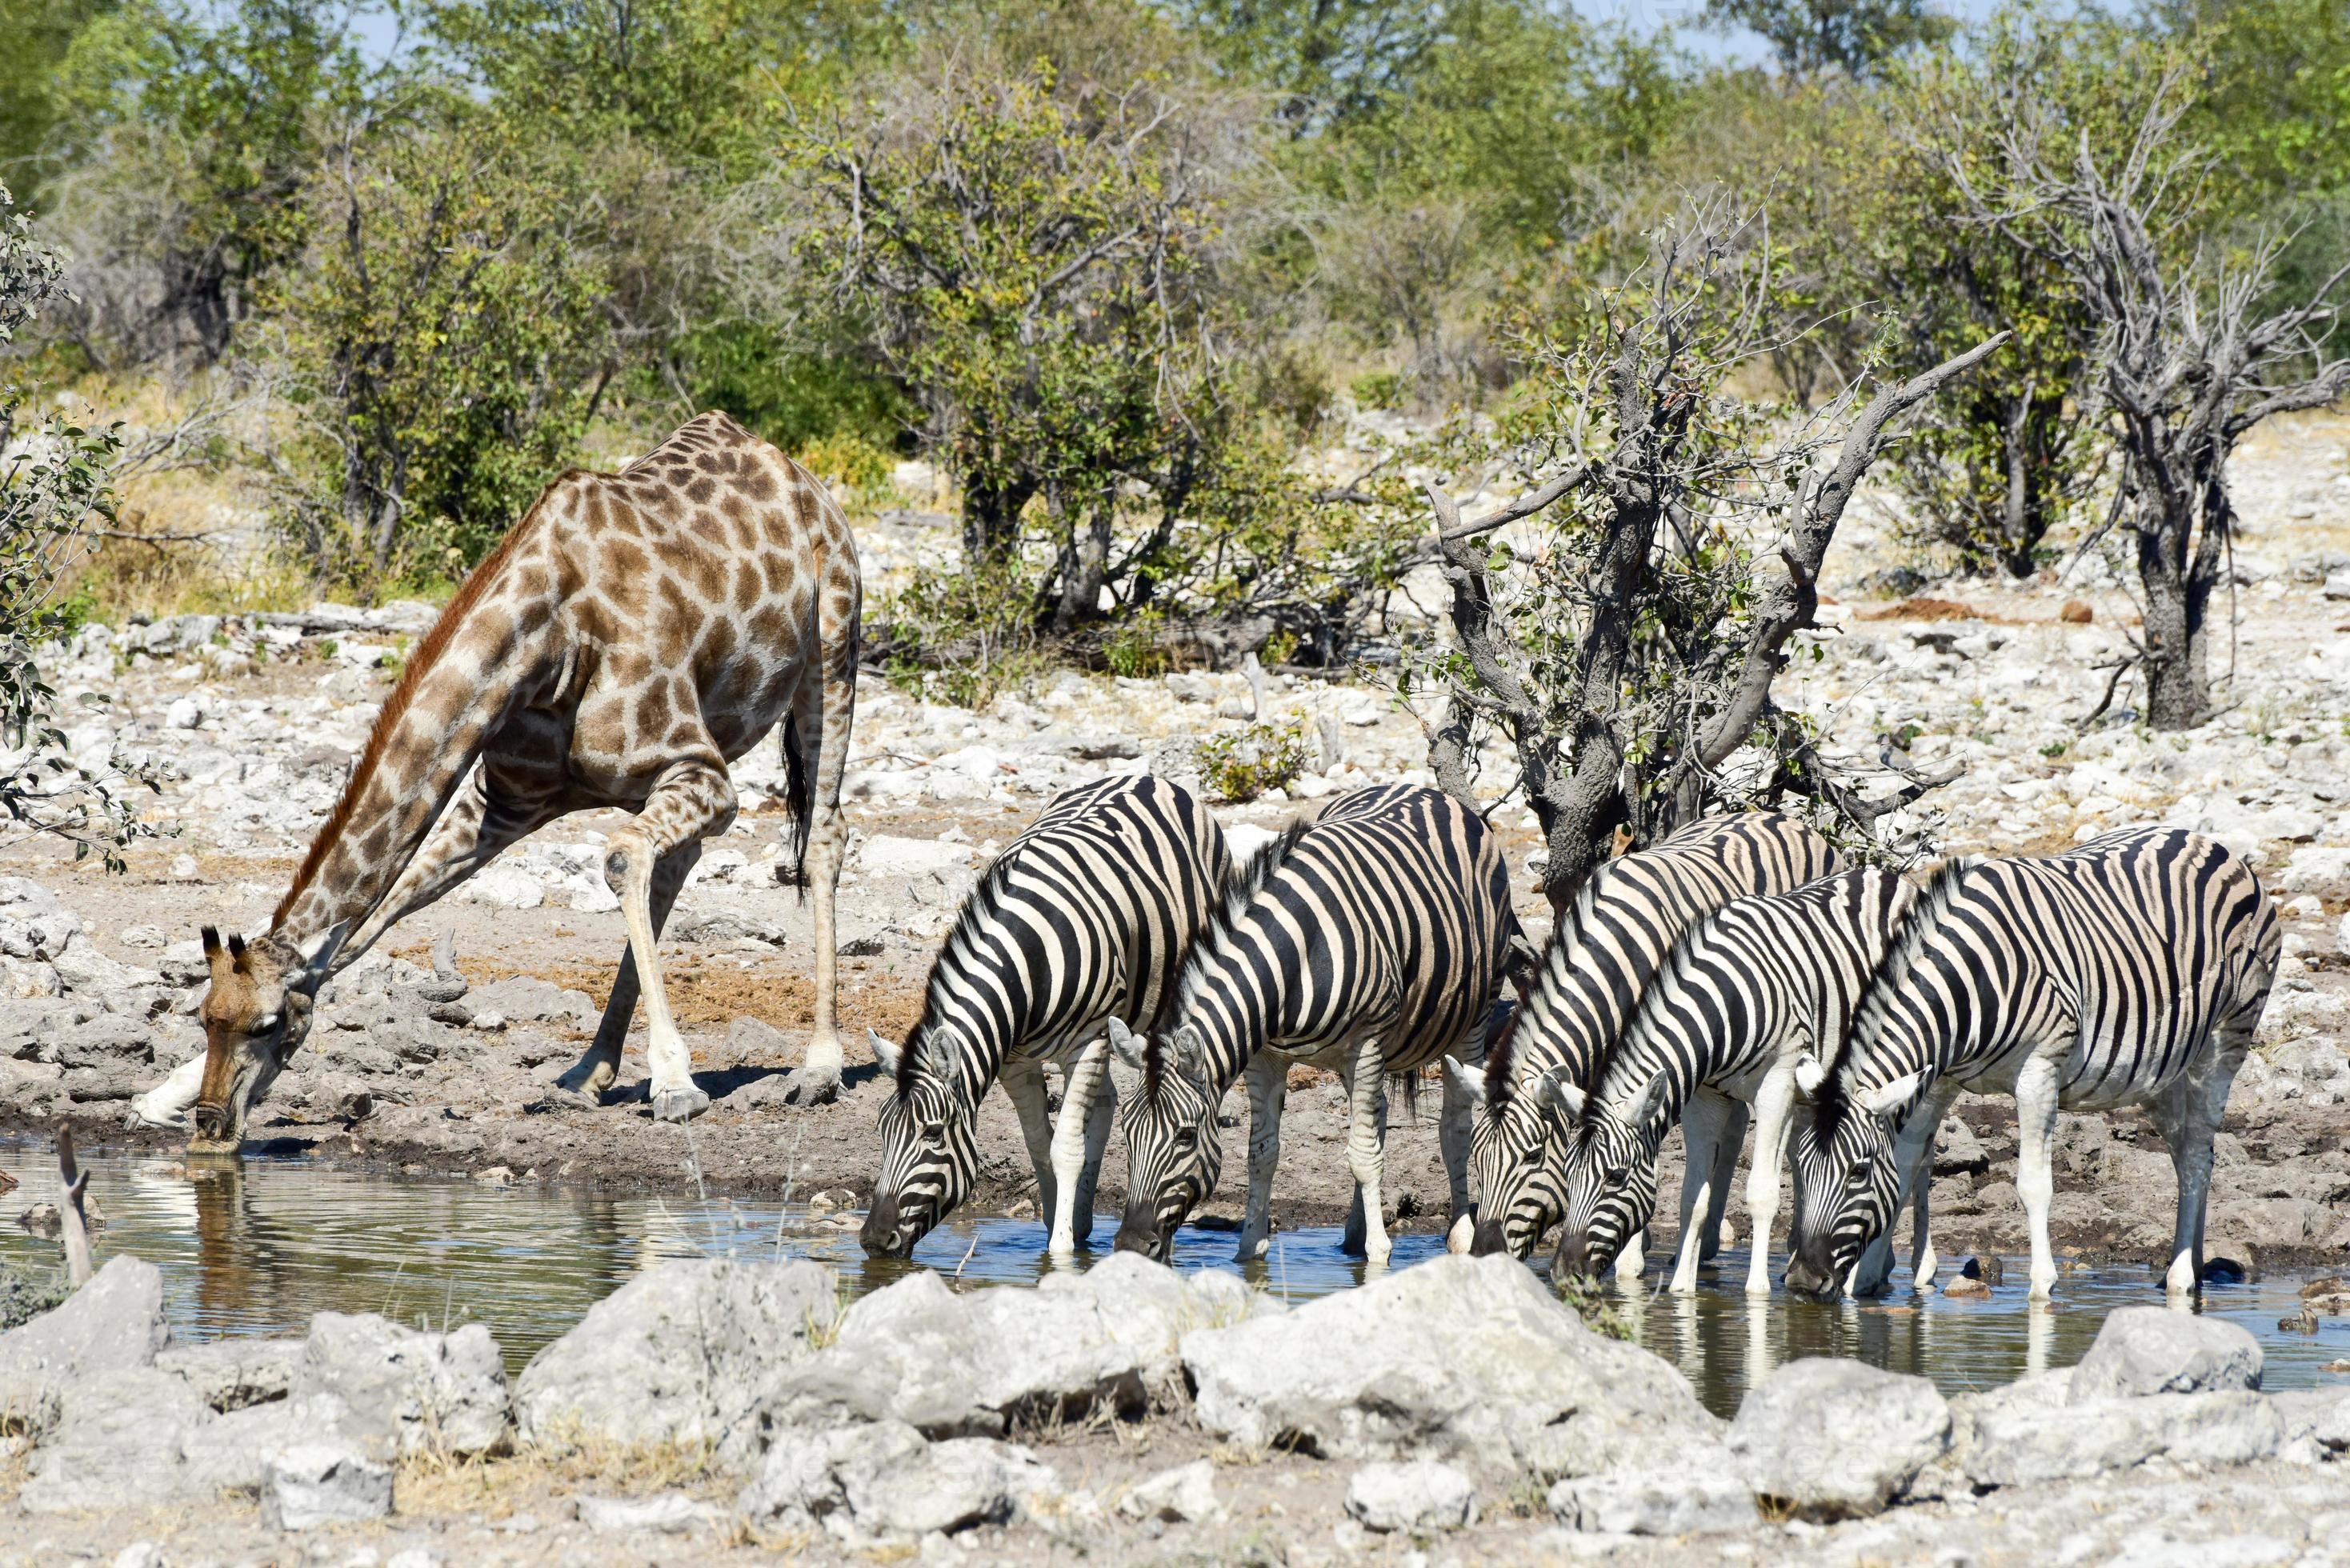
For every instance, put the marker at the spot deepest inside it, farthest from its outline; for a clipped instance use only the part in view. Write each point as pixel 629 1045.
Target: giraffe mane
pixel 403 692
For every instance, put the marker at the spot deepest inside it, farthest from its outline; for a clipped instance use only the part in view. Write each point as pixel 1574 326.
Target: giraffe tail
pixel 815 735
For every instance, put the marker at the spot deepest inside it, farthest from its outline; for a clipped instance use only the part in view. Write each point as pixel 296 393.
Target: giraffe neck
pixel 456 688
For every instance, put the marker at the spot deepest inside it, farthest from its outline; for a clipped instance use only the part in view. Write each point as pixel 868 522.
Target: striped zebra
pixel 2129 971
pixel 1370 939
pixel 1084 919
pixel 1608 943
pixel 1734 1008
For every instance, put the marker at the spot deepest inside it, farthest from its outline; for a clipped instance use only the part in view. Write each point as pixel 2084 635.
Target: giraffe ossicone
pixel 630 637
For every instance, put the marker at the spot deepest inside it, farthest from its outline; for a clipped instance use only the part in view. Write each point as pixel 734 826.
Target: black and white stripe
pixel 1613 935
pixel 1082 920
pixel 1371 939
pixel 2130 971
pixel 1741 1000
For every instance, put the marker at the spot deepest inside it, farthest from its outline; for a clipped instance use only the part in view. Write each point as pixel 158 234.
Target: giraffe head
pixel 256 1012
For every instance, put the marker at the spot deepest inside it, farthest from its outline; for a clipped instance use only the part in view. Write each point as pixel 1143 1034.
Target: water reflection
pixel 254 1248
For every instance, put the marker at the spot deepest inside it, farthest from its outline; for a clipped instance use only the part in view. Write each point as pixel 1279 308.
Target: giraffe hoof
pixel 680 1105
pixel 813 1088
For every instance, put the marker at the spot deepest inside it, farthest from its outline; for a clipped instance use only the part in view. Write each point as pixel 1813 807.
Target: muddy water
pixel 255 1248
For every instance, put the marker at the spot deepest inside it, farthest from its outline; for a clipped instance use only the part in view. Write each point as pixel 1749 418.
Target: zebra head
pixel 1517 1151
pixel 926 1155
pixel 1167 1112
pixel 1846 1179
pixel 1610 1188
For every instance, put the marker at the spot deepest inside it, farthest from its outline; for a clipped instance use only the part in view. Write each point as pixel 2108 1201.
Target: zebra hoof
pixel 680 1105
pixel 1463 1235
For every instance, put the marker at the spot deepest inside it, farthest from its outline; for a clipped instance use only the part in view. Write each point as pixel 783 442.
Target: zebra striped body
pixel 1744 995
pixel 1371 939
pixel 1084 919
pixel 1609 943
pixel 2129 971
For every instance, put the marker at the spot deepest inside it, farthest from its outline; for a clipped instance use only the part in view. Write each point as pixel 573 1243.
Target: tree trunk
pixel 2177 684
pixel 991 519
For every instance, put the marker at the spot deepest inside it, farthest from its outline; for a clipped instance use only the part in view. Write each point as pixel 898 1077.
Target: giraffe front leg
pixel 693 800
pixel 595 1071
pixel 1366 1132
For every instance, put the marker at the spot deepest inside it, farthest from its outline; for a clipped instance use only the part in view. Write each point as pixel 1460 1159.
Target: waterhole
pixel 254 1248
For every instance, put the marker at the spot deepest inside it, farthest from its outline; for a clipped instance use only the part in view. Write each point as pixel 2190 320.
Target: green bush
pixel 1243 763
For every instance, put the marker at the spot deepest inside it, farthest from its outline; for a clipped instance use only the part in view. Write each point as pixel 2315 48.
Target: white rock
pixel 2143 1350
pixel 506 888
pixel 186 714
pixel 408 1391
pixel 1419 1495
pixel 1831 1438
pixel 666 1513
pixel 886 855
pixel 2322 871
pixel 1185 1492
pixel 323 1483
pixel 1245 838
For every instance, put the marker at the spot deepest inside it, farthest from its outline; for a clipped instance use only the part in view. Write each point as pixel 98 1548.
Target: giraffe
pixel 629 639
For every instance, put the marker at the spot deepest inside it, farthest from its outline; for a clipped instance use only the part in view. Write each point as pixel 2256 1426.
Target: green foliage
pixel 791 397
pixel 26 1293
pixel 57 473
pixel 1243 763
pixel 1588 1299
pixel 447 341
pixel 1855 37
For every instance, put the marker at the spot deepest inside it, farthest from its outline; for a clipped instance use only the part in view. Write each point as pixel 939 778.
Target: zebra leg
pixel 2036 1091
pixel 1268 1087
pixel 1725 1172
pixel 1024 1085
pixel 1086 1098
pixel 1771 1124
pixel 1923 1264
pixel 1633 1258
pixel 1704 1122
pixel 1366 1135
pixel 1452 1142
pixel 2188 1116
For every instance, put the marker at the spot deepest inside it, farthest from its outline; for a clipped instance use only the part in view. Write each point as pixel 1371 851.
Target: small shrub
pixel 1590 1302
pixel 1379 389
pixel 1243 763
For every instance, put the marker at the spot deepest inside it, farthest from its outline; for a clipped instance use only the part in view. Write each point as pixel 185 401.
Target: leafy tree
pixel 204 135
pixel 1033 255
pixel 1855 37
pixel 40 36
pixel 56 474
pixel 446 338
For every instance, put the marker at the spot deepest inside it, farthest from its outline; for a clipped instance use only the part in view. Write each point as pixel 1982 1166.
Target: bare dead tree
pixel 1631 656
pixel 2193 350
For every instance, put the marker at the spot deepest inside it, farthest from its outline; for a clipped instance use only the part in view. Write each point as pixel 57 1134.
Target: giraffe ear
pixel 888 1054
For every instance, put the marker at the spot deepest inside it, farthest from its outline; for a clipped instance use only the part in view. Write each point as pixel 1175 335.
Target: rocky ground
pixel 721 1411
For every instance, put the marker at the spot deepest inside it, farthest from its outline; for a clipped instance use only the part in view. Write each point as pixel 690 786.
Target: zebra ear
pixel 1190 1050
pixel 884 1053
pixel 1550 1089
pixel 936 1055
pixel 1652 1098
pixel 1125 1045
pixel 1466 1081
pixel 1889 1099
pixel 1809 1075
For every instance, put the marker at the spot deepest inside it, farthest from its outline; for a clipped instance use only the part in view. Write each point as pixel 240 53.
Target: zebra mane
pixel 961 946
pixel 1670 970
pixel 1248 879
pixel 1911 930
